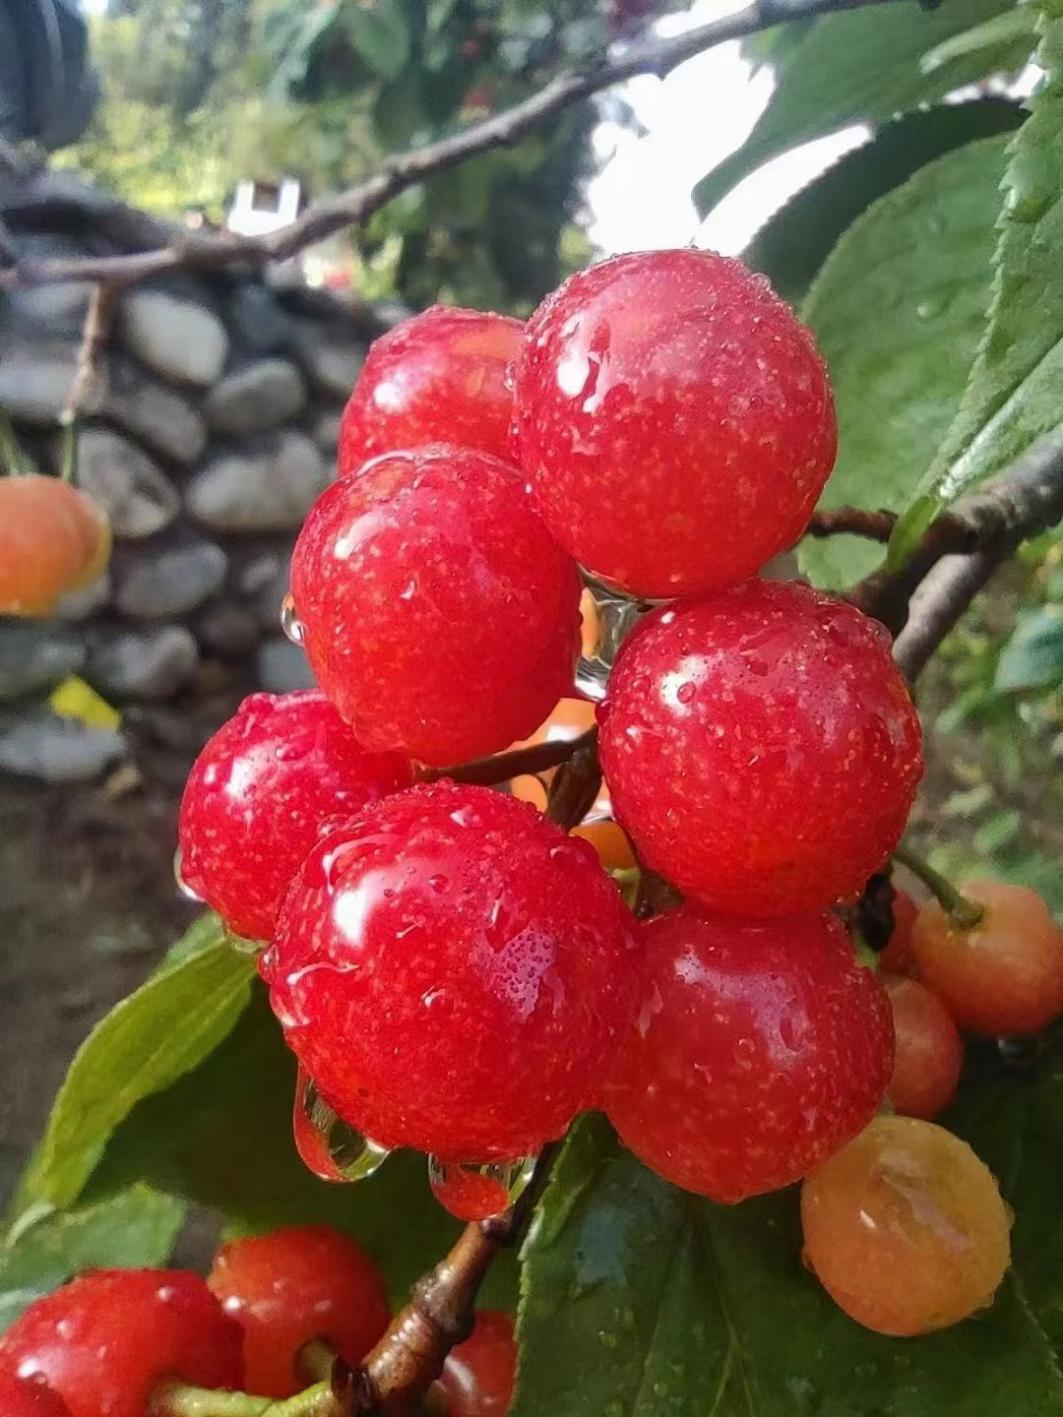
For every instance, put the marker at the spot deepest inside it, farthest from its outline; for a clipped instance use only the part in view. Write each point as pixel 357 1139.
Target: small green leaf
pixel 146 1042
pixel 792 245
pixel 998 831
pixel 1033 657
pixel 881 77
pixel 898 310
pixel 380 34
pixel 640 1300
pixel 136 1227
pixel 222 1136
pixel 1013 395
pixel 1000 42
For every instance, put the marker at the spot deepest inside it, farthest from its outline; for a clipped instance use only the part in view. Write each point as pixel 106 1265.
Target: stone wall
pixel 209 435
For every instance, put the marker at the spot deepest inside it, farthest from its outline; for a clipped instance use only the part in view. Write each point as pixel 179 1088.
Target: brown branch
pixel 201 252
pixel 940 602
pixel 987 525
pixel 103 306
pixel 852 521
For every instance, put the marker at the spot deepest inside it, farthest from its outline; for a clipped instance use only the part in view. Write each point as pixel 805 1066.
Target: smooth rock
pixel 35 655
pixel 268 489
pixel 137 495
pixel 332 362
pixel 42 745
pixel 158 416
pixel 167 581
pixel 227 629
pixel 63 305
pixel 35 380
pixel 256 318
pixel 282 667
pixel 326 432
pixel 142 664
pixel 78 605
pixel 177 338
pixel 255 398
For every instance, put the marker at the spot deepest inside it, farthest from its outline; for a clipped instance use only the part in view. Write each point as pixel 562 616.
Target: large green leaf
pixel 380 34
pixel 792 245
pixel 1015 392
pixel 898 311
pixel 640 1300
pixel 1033 656
pixel 222 1136
pixel 134 1227
pixel 861 67
pixel 168 1026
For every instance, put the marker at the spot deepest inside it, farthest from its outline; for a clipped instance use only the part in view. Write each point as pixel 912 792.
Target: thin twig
pixel 83 392
pixel 852 521
pixel 351 208
pixel 538 757
pixel 940 602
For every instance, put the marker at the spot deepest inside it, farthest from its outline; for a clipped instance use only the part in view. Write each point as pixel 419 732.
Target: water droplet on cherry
pixel 473 1190
pixel 182 885
pixel 328 1146
pixel 290 622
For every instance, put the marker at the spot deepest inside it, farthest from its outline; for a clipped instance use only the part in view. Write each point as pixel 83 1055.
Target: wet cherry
pixel 479 1374
pixel 760 747
pixel 674 419
pixel 438 614
pixel 758 1049
pixel 454 972
pixel 29 1399
pixel 294 1285
pixel 438 377
pixel 906 1228
pixel 103 1341
pixel 260 794
pixel 1004 976
pixel 53 538
pixel 896 958
pixel 929 1049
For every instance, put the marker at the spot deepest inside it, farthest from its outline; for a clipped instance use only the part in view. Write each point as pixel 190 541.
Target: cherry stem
pixel 315 1361
pixel 486 772
pixel 184 1400
pixel 965 912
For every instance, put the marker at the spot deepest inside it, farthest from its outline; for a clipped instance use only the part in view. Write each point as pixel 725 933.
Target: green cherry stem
pixel 184 1400
pixel 966 913
pixel 315 1361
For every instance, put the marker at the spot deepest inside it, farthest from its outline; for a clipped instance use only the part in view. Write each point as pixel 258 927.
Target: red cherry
pixel 896 958
pixel 436 378
pixel 675 420
pixel 454 972
pixel 29 1399
pixel 1004 976
pixel 479 1374
pixel 438 614
pixel 758 1050
pixel 929 1052
pixel 295 1285
pixel 761 748
pixel 105 1340
pixel 260 794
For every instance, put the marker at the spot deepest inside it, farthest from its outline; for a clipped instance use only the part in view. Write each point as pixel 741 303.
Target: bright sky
pixel 694 117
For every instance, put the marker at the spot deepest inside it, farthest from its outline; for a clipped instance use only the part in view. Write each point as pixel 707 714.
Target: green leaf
pixel 793 244
pixel 898 311
pixel 146 1042
pixel 639 1300
pixel 999 41
pixel 1033 657
pixel 881 76
pixel 381 36
pixel 136 1227
pixel 222 1136
pixel 1013 396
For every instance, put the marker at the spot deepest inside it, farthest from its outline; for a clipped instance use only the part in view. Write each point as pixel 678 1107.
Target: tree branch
pixel 852 521
pixel 210 252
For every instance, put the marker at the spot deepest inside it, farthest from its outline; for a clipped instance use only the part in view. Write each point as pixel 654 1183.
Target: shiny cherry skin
pixel 896 957
pixel 262 791
pixel 929 1050
pixel 905 1228
pixel 292 1286
pixel 439 377
pixel 758 1050
pixel 674 419
pixel 438 614
pixel 479 1374
pixel 53 539
pixel 29 1399
pixel 454 972
pixel 761 748
pixel 1004 976
pixel 103 1341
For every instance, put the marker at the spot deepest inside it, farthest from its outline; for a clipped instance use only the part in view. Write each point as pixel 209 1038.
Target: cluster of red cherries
pixel 455 972
pixel 111 1343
